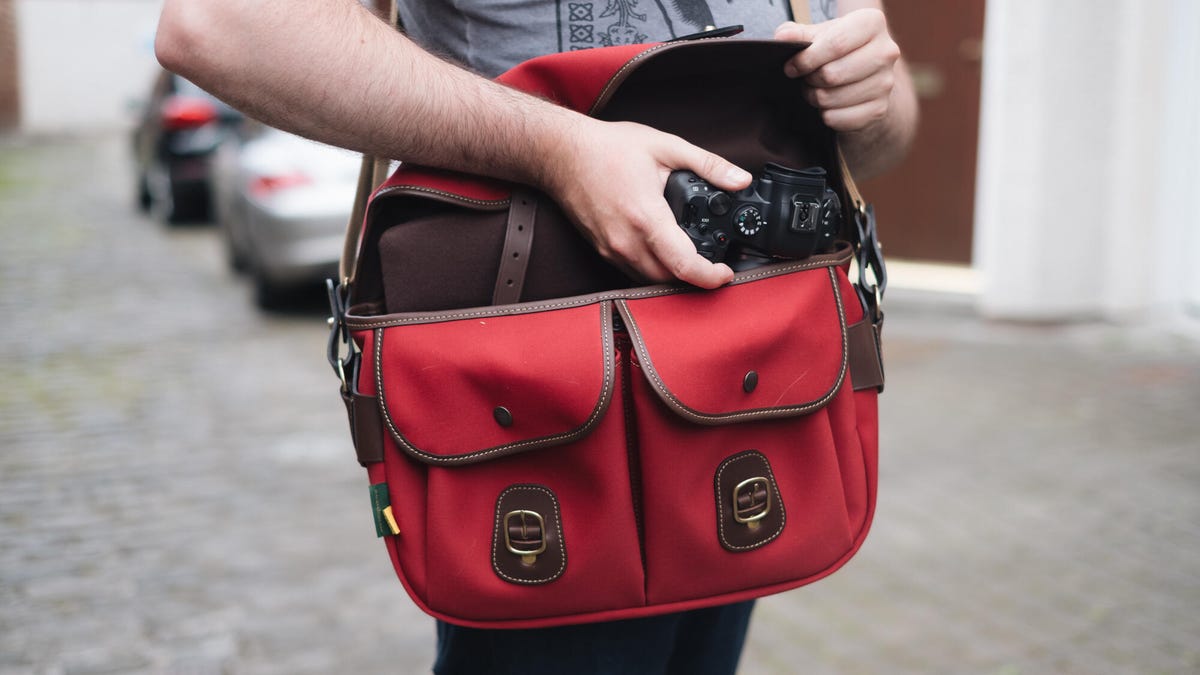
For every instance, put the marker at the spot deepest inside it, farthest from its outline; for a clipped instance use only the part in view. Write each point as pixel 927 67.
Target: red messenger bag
pixel 549 442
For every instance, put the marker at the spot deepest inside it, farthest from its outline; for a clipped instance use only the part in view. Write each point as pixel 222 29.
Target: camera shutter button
pixel 719 204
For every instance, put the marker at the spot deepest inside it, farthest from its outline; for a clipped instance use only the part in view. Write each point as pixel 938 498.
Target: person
pixel 332 71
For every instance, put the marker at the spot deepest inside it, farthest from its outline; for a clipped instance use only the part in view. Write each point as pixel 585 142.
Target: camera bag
pixel 550 442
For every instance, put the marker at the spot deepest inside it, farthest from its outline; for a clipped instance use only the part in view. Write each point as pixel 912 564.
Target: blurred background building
pixel 1058 150
pixel 178 493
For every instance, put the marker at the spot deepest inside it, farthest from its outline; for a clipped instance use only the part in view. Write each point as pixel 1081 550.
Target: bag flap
pixel 587 81
pixel 468 386
pixel 712 369
pixel 475 192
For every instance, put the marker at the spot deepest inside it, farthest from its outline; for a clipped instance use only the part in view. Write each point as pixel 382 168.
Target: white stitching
pixel 510 448
pixel 450 196
pixel 562 550
pixel 721 501
pixel 366 323
pixel 696 416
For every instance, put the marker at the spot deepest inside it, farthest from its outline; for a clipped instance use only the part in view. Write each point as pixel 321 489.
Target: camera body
pixel 784 213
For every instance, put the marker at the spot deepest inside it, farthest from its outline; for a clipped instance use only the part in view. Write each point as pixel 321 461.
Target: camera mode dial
pixel 749 221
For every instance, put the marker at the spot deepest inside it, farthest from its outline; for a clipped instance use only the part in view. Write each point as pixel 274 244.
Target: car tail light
pixel 261 186
pixel 187 112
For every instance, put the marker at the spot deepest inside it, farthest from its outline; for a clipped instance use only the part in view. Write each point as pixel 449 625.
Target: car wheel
pixel 236 258
pixel 187 204
pixel 235 253
pixel 144 199
pixel 268 295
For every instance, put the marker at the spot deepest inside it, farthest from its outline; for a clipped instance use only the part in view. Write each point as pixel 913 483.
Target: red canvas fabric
pixel 639 513
pixel 626 406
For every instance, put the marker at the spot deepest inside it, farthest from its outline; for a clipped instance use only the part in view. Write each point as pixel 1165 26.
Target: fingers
pixel 657 249
pixel 855 105
pixel 673 249
pixel 869 88
pixel 831 41
pixel 677 254
pixel 849 67
pixel 612 187
pixel 679 154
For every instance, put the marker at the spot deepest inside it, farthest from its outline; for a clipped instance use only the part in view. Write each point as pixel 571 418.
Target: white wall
pixel 1180 275
pixel 1088 156
pixel 83 61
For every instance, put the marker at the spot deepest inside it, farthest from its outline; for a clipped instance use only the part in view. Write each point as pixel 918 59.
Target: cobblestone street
pixel 178 493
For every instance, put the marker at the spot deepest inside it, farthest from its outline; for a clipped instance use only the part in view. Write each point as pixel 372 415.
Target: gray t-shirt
pixel 491 36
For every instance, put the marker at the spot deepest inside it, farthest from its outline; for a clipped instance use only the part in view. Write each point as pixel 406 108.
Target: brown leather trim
pixel 518 242
pixel 866 357
pixel 606 394
pixel 546 566
pixel 443 196
pixel 366 429
pixel 698 417
pixel 841 256
pixel 735 536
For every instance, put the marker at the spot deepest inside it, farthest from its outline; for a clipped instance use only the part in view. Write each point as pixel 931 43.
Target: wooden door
pixel 926 205
pixel 10 101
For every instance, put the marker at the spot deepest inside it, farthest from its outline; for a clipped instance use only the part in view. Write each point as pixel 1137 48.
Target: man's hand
pixel 857 80
pixel 850 67
pixel 610 176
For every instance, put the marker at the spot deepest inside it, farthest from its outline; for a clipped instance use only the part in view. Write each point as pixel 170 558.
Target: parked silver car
pixel 282 203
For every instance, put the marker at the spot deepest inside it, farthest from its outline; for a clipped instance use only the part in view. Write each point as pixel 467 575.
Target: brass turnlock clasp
pixel 525 534
pixel 752 501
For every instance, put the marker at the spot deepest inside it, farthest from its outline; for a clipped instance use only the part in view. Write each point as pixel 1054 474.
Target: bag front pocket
pixel 526 470
pixel 742 445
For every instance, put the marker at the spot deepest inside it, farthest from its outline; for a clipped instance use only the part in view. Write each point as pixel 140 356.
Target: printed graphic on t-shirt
pixel 603 23
pixel 583 24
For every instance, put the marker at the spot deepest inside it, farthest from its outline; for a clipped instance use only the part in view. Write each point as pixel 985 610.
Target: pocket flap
pixel 711 364
pixel 475 385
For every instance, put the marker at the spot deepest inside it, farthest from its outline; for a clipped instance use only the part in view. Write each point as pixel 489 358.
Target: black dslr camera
pixel 785 213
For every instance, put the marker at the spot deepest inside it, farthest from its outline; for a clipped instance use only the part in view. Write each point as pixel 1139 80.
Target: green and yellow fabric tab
pixel 381 508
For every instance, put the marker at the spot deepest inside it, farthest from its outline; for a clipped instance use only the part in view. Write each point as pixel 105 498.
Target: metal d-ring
pixel 339 335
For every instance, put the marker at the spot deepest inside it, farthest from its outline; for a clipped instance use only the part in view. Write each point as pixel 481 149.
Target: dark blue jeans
pixel 699 642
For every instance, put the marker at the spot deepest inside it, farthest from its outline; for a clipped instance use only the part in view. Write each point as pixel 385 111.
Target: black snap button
pixel 750 381
pixel 503 417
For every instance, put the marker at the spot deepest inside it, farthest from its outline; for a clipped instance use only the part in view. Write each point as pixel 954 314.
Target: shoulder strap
pixel 801 12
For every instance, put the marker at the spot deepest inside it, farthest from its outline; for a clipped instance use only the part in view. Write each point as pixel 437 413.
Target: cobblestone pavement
pixel 178 494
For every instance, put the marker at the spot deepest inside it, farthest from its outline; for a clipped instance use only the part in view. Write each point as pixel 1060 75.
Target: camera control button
pixel 748 221
pixel 719 204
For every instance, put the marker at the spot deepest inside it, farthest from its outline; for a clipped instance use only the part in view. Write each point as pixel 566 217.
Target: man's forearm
pixel 334 72
pixel 330 70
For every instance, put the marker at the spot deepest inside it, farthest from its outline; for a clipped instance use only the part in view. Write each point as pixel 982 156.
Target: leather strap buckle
pixel 525 534
pixel 751 501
